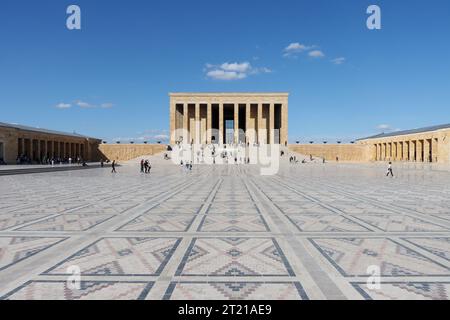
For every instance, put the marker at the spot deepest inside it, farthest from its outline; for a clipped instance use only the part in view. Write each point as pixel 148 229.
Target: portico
pixel 227 118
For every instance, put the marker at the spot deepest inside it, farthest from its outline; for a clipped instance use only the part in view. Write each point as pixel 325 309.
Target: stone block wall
pixel 345 152
pixel 125 152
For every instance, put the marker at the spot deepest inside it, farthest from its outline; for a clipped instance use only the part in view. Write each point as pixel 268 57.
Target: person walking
pixel 142 166
pixel 113 165
pixel 390 172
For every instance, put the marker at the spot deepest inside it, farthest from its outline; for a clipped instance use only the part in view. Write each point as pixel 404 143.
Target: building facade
pixel 431 144
pixel 220 118
pixel 38 144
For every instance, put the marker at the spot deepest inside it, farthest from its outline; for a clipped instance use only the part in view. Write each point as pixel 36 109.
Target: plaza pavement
pixel 225 232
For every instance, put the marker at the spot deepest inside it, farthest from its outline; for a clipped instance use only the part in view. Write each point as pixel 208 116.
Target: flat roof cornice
pixel 229 94
pixel 44 131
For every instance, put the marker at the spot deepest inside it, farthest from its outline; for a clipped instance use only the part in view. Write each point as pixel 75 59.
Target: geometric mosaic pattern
pixel 159 223
pixel 234 257
pixel 406 291
pixel 121 256
pixel 10 220
pixel 397 222
pixel 89 290
pixel 68 222
pixel 233 223
pixel 235 291
pixel 353 257
pixel 437 246
pixel 226 232
pixel 16 249
pixel 325 223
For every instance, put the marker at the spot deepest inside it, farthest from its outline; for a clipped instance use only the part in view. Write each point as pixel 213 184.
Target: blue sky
pixel 112 78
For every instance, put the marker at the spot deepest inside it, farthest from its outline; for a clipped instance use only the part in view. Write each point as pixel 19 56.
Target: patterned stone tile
pixel 177 207
pixel 399 223
pixel 68 222
pixel 232 207
pixel 235 291
pixel 159 223
pixel 406 291
pixel 89 290
pixel 353 256
pixel 302 207
pixel 233 223
pixel 16 249
pixel 325 223
pixel 445 216
pixel 437 246
pixel 11 220
pixel 234 257
pixel 121 256
pixel 355 207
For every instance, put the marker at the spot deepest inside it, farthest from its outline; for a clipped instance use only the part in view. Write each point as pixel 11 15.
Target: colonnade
pixel 210 118
pixel 415 150
pixel 38 149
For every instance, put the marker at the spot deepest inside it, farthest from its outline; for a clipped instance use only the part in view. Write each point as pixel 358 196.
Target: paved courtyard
pixel 313 231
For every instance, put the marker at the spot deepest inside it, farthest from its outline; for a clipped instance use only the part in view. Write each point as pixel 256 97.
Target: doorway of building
pixel 229 131
pixel 2 152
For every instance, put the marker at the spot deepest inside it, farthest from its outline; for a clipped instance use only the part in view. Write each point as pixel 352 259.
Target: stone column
pixel 284 123
pixel 197 124
pixel 247 123
pixel 259 124
pixel 32 149
pixel 38 151
pixel 45 148
pixel 209 123
pixel 272 123
pixel 378 152
pixel 394 151
pixel 22 145
pixel 405 151
pixel 434 150
pixel 221 123
pixel 185 123
pixel 172 116
pixel 419 148
pixel 426 151
pixel 412 149
pixel 236 123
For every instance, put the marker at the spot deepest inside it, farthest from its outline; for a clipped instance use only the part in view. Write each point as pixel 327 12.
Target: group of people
pixel 46 160
pixel 145 166
pixel 186 165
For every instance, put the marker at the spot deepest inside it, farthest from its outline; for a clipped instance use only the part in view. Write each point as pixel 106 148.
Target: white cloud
pixel 106 105
pixel 225 75
pixel 387 128
pixel 316 54
pixel 238 67
pixel 383 127
pixel 84 105
pixel 295 48
pixel 63 105
pixel 339 60
pixel 232 71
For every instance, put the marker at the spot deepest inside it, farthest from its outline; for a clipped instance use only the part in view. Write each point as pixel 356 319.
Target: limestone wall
pixel 125 152
pixel 428 146
pixel 37 145
pixel 345 152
